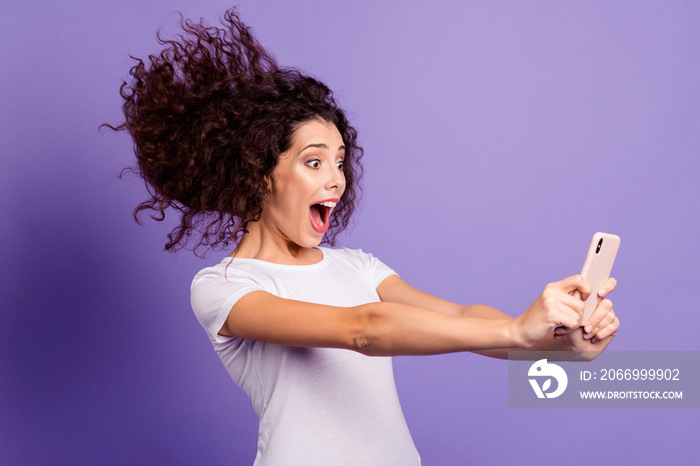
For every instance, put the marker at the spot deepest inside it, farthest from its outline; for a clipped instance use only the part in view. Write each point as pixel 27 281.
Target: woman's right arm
pixel 390 328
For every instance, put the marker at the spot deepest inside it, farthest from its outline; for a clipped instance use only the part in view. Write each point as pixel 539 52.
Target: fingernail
pixel 593 340
pixel 589 329
pixel 586 336
pixel 602 292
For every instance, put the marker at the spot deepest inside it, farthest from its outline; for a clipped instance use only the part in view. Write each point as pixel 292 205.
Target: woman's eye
pixel 340 165
pixel 314 163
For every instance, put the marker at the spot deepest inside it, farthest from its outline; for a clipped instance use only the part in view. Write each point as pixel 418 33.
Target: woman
pixel 261 156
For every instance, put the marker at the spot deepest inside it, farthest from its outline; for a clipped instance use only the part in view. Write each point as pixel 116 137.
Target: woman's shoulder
pixel 356 258
pixel 346 254
pixel 215 269
pixel 224 271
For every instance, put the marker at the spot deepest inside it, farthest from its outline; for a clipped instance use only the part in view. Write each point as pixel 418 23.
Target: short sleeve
pixel 213 293
pixel 373 268
pixel 379 270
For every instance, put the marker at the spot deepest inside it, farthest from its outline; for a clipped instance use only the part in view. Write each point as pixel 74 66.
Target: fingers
pixel 581 290
pixel 607 287
pixel 573 302
pixel 602 318
pixel 569 317
pixel 575 283
pixel 607 330
pixel 563 308
pixel 599 334
pixel 603 308
pixel 562 291
pixel 561 332
pixel 561 305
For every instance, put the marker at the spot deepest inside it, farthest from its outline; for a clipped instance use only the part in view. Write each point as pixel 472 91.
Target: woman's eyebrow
pixel 320 146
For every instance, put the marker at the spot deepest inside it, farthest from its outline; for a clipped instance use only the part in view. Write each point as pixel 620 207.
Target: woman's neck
pixel 257 244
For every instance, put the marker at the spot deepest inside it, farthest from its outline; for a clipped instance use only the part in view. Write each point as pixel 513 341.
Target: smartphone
pixel 597 267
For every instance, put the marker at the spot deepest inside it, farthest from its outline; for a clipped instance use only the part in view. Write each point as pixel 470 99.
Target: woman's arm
pixel 599 331
pixel 378 329
pixel 410 326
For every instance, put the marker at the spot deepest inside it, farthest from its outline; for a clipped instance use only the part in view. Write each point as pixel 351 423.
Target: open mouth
pixel 320 214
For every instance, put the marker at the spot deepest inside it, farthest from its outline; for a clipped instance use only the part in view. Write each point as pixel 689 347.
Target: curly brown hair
pixel 210 116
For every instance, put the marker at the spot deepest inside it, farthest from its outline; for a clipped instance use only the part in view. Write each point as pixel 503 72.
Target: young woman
pixel 252 154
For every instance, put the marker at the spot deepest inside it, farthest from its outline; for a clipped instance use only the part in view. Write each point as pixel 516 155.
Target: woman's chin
pixel 314 240
pixel 312 243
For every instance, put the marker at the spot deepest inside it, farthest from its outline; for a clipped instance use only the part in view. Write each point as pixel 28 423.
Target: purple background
pixel 499 136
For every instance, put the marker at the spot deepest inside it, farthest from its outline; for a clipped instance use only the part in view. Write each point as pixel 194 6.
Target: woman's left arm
pixel 594 337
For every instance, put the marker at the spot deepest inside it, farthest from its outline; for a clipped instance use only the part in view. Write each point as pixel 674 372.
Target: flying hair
pixel 209 116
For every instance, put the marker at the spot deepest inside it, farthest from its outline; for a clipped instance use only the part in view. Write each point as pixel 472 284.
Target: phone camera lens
pixel 600 244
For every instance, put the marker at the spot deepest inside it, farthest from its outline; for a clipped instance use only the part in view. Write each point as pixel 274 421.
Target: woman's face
pixel 306 184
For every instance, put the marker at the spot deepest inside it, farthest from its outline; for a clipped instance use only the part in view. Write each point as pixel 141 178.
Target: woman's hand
pixel 603 323
pixel 555 307
pixel 597 333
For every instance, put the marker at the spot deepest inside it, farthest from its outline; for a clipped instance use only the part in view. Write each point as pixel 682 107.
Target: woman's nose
pixel 336 179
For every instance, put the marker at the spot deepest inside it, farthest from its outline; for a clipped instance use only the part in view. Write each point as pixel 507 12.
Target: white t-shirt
pixel 317 406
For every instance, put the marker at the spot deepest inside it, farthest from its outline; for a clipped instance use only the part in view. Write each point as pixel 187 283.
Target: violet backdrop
pixel 499 136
